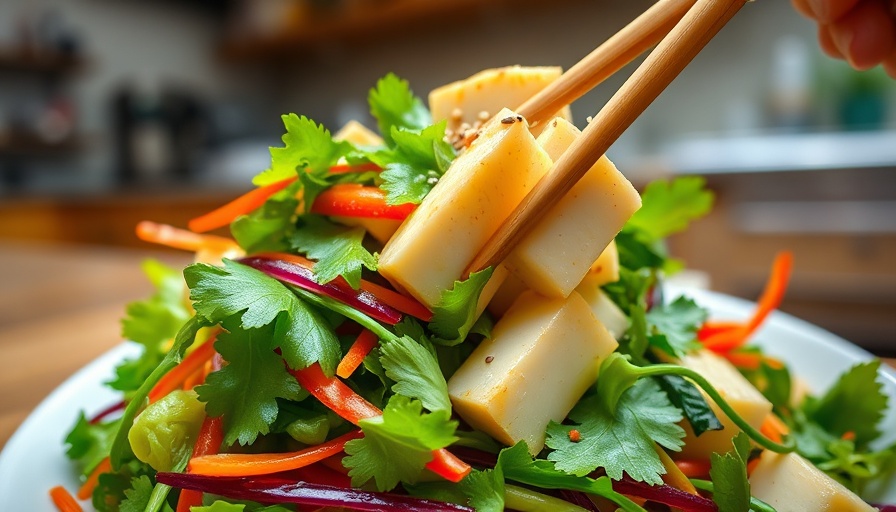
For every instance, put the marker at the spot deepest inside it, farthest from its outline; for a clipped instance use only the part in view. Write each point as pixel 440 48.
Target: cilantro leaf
pixel 307 145
pixel 685 395
pixel 677 323
pixel 855 403
pixel 397 445
pixel 393 103
pixel 668 207
pixel 622 442
pixel 455 313
pixel 416 373
pixel 637 252
pixel 302 334
pixel 156 320
pixel 152 322
pixel 414 166
pixel 482 490
pixel 245 391
pixel 337 250
pixel 138 496
pixel 89 444
pixel 731 489
pixel 267 228
pixel 517 465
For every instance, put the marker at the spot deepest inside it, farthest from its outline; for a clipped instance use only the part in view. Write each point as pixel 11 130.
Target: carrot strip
pixel 170 236
pixel 86 490
pixel 724 338
pixel 362 346
pixel 745 360
pixel 773 428
pixel 63 500
pixel 174 379
pixel 398 301
pixel 242 205
pixel 694 468
pixel 208 442
pixel 339 398
pixel 711 328
pixel 250 464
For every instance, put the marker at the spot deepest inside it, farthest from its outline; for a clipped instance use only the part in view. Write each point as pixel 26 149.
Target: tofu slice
pixel 358 134
pixel 603 308
pixel 790 483
pixel 560 250
pixel 510 290
pixel 542 356
pixel 435 244
pixel 488 91
pixel 606 268
pixel 736 390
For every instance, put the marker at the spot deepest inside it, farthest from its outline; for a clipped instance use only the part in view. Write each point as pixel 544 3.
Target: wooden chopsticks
pixel 701 22
pixel 623 47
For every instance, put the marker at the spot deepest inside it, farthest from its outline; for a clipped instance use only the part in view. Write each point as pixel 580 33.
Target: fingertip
pixel 802 7
pixel 866 35
pixel 829 11
pixel 826 41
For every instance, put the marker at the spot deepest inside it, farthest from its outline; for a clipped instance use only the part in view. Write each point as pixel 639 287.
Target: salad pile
pixel 282 371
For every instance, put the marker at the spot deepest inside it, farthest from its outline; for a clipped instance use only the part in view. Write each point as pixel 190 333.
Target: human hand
pixel 862 32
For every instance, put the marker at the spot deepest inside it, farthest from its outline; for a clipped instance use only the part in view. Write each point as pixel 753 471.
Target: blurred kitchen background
pixel 114 111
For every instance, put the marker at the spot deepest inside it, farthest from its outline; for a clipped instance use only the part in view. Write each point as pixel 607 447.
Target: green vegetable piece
pixel 455 314
pixel 397 445
pixel 673 327
pixel 839 411
pixel 164 433
pixel 337 250
pixel 688 398
pixel 89 444
pixel 416 373
pixel 393 104
pixel 414 166
pixel 307 146
pixel 668 207
pixel 482 490
pixel 268 228
pixel 138 496
pixel 729 477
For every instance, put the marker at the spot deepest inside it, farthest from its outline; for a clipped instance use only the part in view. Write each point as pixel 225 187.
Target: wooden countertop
pixel 60 308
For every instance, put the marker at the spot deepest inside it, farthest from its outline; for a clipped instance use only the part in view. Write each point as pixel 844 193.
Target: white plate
pixel 33 460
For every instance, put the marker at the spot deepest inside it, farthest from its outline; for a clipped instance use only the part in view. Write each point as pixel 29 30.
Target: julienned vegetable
pixel 332 353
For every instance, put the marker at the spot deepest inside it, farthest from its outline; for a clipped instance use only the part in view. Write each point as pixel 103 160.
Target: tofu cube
pixel 603 308
pixel 561 248
pixel 489 91
pixel 542 356
pixel 745 399
pixel 605 268
pixel 434 245
pixel 790 483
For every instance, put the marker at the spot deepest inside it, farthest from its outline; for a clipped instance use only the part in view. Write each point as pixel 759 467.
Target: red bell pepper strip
pixel 208 442
pixel 354 200
pixel 339 398
pixel 246 203
pixel 296 270
pixel 364 343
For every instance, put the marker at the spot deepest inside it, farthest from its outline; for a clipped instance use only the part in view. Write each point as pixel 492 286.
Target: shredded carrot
pixel 63 500
pixel 711 328
pixel 175 379
pixel 398 301
pixel 208 442
pixel 694 468
pixel 246 203
pixel 849 435
pixel 362 346
pixel 751 465
pixel 773 428
pixel 734 336
pixel 249 464
pixel 170 236
pixel 86 490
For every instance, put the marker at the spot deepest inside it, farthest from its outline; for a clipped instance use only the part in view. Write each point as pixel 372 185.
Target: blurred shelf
pixel 18 144
pixel 360 22
pixel 777 152
pixel 46 62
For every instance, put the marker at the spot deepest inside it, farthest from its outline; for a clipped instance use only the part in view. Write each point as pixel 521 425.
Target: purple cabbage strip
pixel 579 498
pixel 100 416
pixel 298 275
pixel 664 494
pixel 277 489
